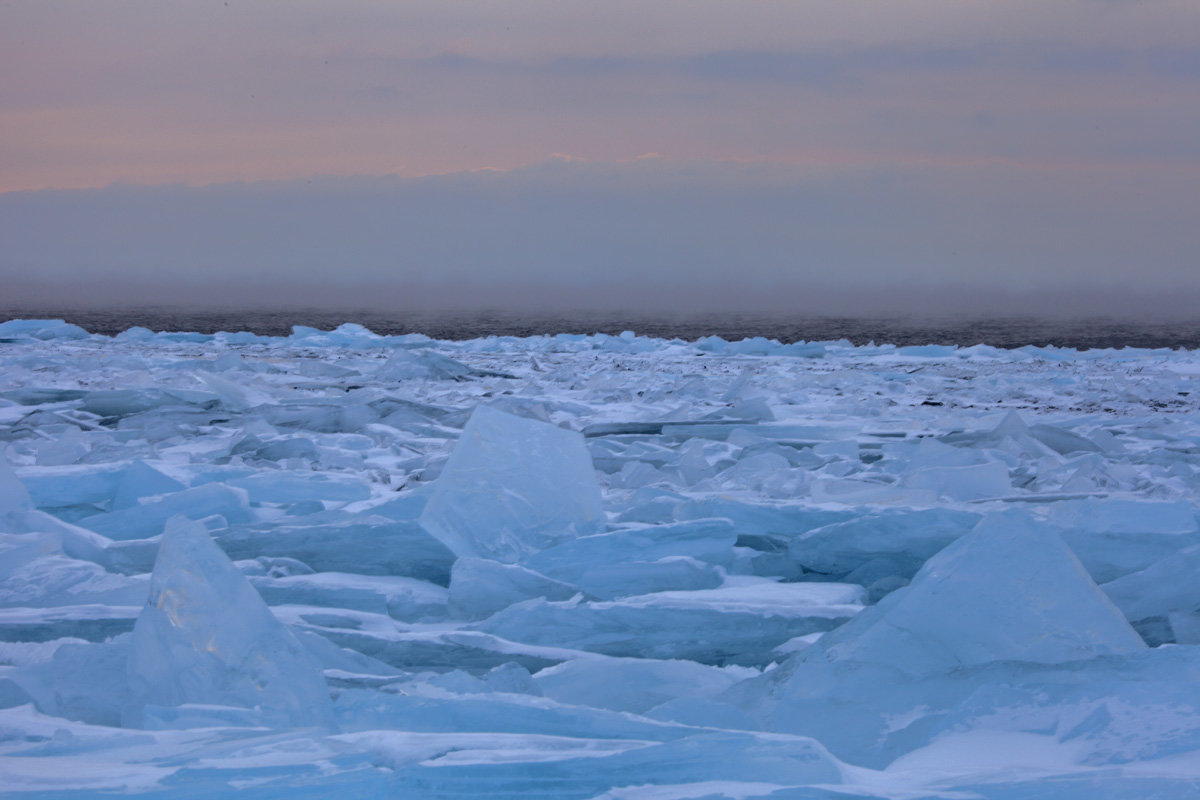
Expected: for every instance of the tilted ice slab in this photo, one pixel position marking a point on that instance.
(513, 486)
(337, 544)
(146, 520)
(1114, 537)
(479, 588)
(906, 538)
(737, 624)
(1009, 597)
(1007, 591)
(206, 637)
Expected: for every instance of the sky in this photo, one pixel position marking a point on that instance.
(1008, 156)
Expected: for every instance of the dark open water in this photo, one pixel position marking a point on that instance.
(1000, 332)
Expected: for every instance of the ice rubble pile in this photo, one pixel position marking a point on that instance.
(594, 566)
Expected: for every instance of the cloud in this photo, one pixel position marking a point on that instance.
(651, 232)
(202, 92)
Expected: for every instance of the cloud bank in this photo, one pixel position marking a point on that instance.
(650, 234)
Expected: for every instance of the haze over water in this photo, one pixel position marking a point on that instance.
(1008, 331)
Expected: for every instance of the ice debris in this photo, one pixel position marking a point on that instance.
(438, 588)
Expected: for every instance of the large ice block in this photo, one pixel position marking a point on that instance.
(1002, 605)
(513, 486)
(206, 637)
(1009, 590)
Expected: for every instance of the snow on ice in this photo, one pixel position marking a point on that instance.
(337, 563)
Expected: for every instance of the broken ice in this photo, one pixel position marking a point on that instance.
(594, 567)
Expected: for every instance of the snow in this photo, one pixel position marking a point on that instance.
(337, 563)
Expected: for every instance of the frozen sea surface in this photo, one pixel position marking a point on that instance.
(336, 563)
(1002, 331)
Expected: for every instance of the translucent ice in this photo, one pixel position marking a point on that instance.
(207, 637)
(1005, 604)
(597, 556)
(907, 538)
(404, 365)
(1009, 590)
(513, 486)
(57, 580)
(14, 498)
(85, 682)
(403, 598)
(147, 519)
(140, 480)
(479, 588)
(40, 329)
(739, 624)
(1114, 537)
(631, 684)
(1155, 597)
(401, 548)
(974, 482)
(292, 487)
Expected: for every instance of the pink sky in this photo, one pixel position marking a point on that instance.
(948, 152)
(95, 93)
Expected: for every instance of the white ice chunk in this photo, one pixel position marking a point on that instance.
(512, 487)
(207, 637)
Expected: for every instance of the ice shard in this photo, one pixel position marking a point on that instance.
(206, 637)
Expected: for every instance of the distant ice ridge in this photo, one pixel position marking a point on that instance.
(594, 567)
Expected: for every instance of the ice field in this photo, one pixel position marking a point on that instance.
(337, 564)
